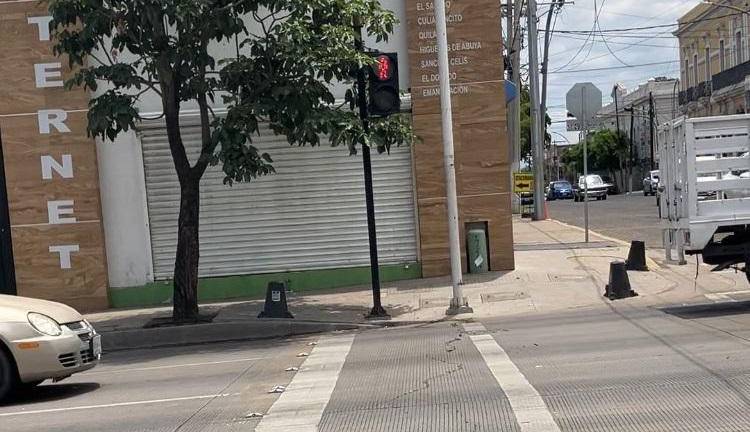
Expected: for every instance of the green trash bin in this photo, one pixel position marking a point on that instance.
(478, 259)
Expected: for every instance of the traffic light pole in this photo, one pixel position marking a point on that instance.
(377, 312)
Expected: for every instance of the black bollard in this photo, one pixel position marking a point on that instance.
(276, 306)
(637, 256)
(619, 283)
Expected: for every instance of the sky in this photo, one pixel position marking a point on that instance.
(572, 52)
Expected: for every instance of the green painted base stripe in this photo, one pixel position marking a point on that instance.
(254, 286)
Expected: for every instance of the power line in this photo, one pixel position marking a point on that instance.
(626, 29)
(615, 43)
(572, 59)
(616, 67)
(605, 40)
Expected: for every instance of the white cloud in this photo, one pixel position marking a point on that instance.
(654, 46)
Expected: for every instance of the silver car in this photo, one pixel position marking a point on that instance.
(651, 183)
(42, 340)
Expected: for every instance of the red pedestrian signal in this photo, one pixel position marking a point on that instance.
(383, 68)
(384, 94)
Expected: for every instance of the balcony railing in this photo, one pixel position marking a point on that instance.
(702, 90)
(731, 76)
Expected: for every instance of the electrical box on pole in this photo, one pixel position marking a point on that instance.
(384, 92)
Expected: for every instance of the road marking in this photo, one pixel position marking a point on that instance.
(301, 406)
(474, 327)
(150, 368)
(725, 296)
(530, 410)
(718, 297)
(115, 405)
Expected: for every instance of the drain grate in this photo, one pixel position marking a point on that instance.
(501, 297)
(563, 246)
(566, 277)
(426, 303)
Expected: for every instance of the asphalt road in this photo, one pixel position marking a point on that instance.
(624, 217)
(198, 388)
(614, 367)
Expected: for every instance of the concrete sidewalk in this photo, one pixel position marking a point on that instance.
(555, 271)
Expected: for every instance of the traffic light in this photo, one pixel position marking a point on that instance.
(385, 98)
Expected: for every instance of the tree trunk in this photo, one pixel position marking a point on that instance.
(188, 254)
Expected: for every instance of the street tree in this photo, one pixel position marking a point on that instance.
(607, 151)
(290, 54)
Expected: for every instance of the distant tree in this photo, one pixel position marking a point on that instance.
(283, 75)
(607, 151)
(527, 152)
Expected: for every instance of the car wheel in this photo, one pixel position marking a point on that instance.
(645, 192)
(8, 375)
(604, 197)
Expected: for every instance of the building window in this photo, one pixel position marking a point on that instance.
(708, 64)
(722, 56)
(738, 57)
(695, 70)
(686, 72)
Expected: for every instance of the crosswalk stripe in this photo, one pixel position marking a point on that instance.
(300, 408)
(528, 406)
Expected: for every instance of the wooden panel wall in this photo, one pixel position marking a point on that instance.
(482, 166)
(56, 226)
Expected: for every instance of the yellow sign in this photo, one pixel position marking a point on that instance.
(523, 182)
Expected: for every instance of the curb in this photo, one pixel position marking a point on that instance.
(122, 340)
(651, 263)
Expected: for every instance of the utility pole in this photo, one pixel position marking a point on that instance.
(377, 309)
(617, 115)
(631, 162)
(458, 303)
(545, 61)
(585, 165)
(537, 141)
(651, 126)
(515, 37)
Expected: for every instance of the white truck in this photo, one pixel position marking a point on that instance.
(705, 189)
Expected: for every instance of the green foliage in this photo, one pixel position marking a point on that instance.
(607, 150)
(526, 150)
(290, 54)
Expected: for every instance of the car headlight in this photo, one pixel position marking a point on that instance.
(44, 324)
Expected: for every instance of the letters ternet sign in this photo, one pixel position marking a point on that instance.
(50, 166)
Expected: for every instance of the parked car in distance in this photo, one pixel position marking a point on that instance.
(612, 189)
(559, 190)
(651, 183)
(597, 188)
(42, 340)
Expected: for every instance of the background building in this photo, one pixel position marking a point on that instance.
(95, 224)
(636, 104)
(714, 53)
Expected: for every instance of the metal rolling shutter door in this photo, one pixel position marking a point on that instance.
(309, 215)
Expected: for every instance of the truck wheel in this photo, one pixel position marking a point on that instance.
(8, 375)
